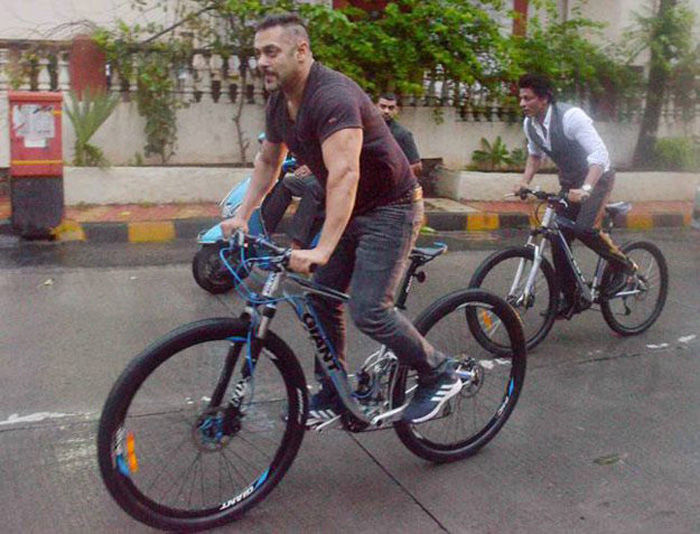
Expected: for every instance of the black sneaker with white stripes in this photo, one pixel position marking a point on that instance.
(432, 394)
(323, 406)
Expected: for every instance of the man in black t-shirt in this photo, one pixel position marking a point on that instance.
(374, 206)
(389, 108)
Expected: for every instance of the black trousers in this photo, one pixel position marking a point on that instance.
(308, 219)
(586, 220)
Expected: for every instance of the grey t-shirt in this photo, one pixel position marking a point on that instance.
(334, 102)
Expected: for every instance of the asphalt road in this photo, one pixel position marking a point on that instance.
(605, 438)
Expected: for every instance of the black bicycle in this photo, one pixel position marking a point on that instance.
(526, 279)
(203, 424)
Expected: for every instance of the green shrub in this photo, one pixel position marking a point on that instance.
(517, 159)
(491, 156)
(496, 157)
(677, 154)
(87, 115)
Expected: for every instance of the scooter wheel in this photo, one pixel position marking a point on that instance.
(209, 271)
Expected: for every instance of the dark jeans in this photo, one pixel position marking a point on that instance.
(308, 219)
(585, 225)
(368, 264)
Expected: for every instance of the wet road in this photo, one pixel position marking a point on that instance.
(605, 438)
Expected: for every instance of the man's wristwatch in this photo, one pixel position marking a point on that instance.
(587, 188)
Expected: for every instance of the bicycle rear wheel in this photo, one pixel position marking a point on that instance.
(639, 305)
(473, 417)
(537, 310)
(189, 439)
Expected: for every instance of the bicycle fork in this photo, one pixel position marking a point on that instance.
(254, 343)
(527, 294)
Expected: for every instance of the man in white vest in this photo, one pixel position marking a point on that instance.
(566, 135)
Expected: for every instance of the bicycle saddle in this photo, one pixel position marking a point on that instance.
(426, 254)
(618, 208)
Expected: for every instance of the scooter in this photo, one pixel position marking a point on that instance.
(208, 270)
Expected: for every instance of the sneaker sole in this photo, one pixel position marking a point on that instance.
(456, 388)
(317, 417)
(322, 415)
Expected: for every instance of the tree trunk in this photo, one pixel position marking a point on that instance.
(658, 76)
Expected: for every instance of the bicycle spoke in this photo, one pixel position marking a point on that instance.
(473, 416)
(637, 307)
(192, 456)
(535, 305)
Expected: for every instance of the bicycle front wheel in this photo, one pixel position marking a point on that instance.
(195, 431)
(492, 383)
(506, 273)
(637, 307)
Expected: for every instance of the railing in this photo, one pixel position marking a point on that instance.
(28, 66)
(207, 77)
(34, 66)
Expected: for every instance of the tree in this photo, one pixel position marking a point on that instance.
(563, 51)
(150, 54)
(136, 57)
(452, 41)
(228, 29)
(667, 34)
(452, 48)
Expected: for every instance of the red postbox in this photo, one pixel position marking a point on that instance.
(36, 163)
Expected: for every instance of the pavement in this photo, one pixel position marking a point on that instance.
(166, 222)
(605, 437)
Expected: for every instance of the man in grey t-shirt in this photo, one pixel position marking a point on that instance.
(374, 207)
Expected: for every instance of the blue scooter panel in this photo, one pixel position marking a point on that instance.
(233, 200)
(230, 203)
(214, 234)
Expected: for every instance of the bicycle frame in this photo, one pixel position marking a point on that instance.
(550, 230)
(261, 309)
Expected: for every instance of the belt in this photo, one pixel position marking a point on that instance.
(409, 197)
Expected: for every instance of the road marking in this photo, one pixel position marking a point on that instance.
(15, 419)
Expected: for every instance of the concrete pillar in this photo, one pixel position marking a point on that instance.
(4, 111)
(87, 66)
(520, 21)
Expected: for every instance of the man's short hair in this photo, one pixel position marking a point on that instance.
(288, 21)
(388, 96)
(540, 85)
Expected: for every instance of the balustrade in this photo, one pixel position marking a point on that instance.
(207, 77)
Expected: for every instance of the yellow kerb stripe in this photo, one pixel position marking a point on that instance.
(483, 221)
(639, 221)
(144, 232)
(24, 162)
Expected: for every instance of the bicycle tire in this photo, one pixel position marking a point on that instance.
(447, 437)
(495, 274)
(652, 274)
(151, 401)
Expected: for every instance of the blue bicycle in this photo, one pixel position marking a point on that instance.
(203, 424)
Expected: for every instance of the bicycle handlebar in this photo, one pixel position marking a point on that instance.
(560, 197)
(281, 256)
